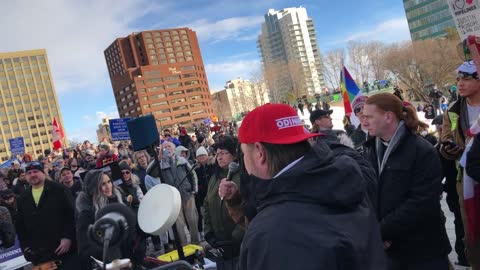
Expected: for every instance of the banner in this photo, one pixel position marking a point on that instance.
(119, 129)
(466, 14)
(12, 258)
(17, 146)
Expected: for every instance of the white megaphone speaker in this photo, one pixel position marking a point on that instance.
(159, 209)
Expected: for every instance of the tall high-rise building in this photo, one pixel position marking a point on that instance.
(290, 54)
(160, 72)
(428, 19)
(28, 101)
(239, 96)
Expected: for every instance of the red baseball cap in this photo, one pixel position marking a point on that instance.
(275, 124)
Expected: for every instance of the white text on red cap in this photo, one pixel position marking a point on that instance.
(287, 122)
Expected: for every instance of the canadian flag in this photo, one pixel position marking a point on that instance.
(57, 135)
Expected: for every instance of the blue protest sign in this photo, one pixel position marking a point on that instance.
(17, 147)
(119, 129)
(12, 258)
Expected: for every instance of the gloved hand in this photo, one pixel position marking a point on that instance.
(211, 239)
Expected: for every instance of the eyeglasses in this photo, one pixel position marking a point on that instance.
(125, 172)
(467, 76)
(221, 154)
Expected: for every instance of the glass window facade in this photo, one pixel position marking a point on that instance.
(428, 18)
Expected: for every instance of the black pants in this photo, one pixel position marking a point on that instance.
(69, 261)
(440, 263)
(454, 206)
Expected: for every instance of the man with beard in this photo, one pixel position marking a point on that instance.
(45, 222)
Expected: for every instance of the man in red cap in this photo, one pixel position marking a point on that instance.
(313, 211)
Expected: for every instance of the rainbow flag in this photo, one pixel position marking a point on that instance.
(350, 90)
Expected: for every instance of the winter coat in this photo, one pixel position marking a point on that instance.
(358, 136)
(473, 160)
(141, 173)
(204, 173)
(20, 187)
(455, 125)
(410, 185)
(41, 227)
(7, 229)
(104, 160)
(219, 226)
(85, 216)
(75, 189)
(177, 172)
(315, 215)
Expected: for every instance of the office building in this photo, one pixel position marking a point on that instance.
(290, 54)
(428, 19)
(28, 102)
(239, 96)
(160, 72)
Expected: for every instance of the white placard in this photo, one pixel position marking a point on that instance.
(466, 14)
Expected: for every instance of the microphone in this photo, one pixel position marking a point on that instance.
(232, 169)
(114, 224)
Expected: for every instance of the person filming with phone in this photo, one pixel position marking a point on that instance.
(456, 121)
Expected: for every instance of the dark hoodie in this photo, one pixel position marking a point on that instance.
(315, 215)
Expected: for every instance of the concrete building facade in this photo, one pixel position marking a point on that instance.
(239, 96)
(28, 102)
(290, 54)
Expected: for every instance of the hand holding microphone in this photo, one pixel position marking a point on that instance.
(225, 189)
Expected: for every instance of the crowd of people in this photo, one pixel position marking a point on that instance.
(364, 197)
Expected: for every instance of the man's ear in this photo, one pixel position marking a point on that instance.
(260, 155)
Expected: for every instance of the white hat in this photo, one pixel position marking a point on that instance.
(15, 162)
(180, 149)
(201, 151)
(467, 67)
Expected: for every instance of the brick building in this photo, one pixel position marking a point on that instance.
(160, 72)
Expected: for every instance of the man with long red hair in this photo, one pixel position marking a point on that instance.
(409, 186)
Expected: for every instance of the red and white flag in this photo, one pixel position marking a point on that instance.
(471, 191)
(57, 135)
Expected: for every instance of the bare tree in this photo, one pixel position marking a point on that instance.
(332, 65)
(423, 63)
(278, 81)
(260, 89)
(221, 105)
(359, 60)
(375, 51)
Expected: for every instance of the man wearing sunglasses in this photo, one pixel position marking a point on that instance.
(456, 121)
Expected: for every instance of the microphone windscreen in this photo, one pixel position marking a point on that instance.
(122, 210)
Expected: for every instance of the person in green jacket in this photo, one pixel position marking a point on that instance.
(220, 229)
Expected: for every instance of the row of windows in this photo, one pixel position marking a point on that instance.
(411, 3)
(425, 9)
(432, 30)
(165, 33)
(172, 60)
(430, 19)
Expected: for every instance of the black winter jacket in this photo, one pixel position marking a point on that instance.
(409, 189)
(41, 227)
(473, 160)
(314, 216)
